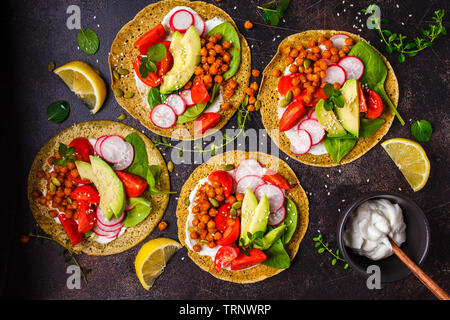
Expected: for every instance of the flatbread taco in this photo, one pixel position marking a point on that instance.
(180, 68)
(98, 187)
(328, 97)
(242, 216)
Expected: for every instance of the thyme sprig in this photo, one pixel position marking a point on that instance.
(320, 242)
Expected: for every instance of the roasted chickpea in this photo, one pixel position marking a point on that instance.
(254, 85)
(252, 100)
(212, 39)
(276, 73)
(209, 45)
(195, 222)
(207, 78)
(256, 73)
(328, 44)
(53, 213)
(294, 53)
(240, 197)
(196, 248)
(289, 60)
(226, 106)
(286, 50)
(322, 39)
(311, 43)
(232, 83)
(326, 54)
(203, 52)
(162, 225)
(210, 224)
(218, 79)
(194, 235)
(251, 108)
(296, 91)
(226, 45)
(35, 194)
(316, 49)
(335, 58)
(213, 212)
(211, 244)
(295, 81)
(349, 41)
(231, 199)
(336, 86)
(224, 68)
(249, 91)
(217, 236)
(248, 24)
(293, 68)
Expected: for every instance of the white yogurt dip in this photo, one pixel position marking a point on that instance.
(369, 227)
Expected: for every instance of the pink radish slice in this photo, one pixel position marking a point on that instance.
(312, 114)
(199, 24)
(97, 145)
(353, 66)
(113, 149)
(252, 182)
(335, 73)
(181, 20)
(101, 218)
(339, 40)
(177, 103)
(109, 228)
(248, 167)
(106, 234)
(163, 116)
(127, 158)
(273, 193)
(277, 217)
(186, 95)
(315, 130)
(301, 142)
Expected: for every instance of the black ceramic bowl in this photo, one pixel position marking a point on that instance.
(415, 246)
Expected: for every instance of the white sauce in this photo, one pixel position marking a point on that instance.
(369, 227)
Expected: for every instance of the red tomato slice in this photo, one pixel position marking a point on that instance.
(152, 80)
(276, 179)
(224, 257)
(243, 261)
(362, 99)
(225, 179)
(206, 121)
(134, 185)
(83, 148)
(86, 217)
(199, 93)
(374, 104)
(231, 234)
(285, 83)
(71, 228)
(150, 38)
(292, 115)
(86, 193)
(222, 217)
(166, 63)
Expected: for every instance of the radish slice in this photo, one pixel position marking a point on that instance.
(301, 142)
(186, 95)
(277, 217)
(109, 228)
(339, 40)
(199, 24)
(335, 73)
(97, 145)
(353, 66)
(101, 218)
(177, 103)
(252, 182)
(181, 20)
(273, 193)
(312, 114)
(315, 130)
(127, 158)
(106, 234)
(248, 167)
(163, 116)
(113, 148)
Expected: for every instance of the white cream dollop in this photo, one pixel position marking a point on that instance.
(369, 227)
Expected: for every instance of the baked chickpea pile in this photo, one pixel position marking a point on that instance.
(58, 189)
(203, 229)
(311, 63)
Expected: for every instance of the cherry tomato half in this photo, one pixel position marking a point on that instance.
(206, 121)
(71, 228)
(134, 185)
(243, 261)
(225, 180)
(150, 38)
(86, 193)
(166, 63)
(285, 83)
(86, 217)
(276, 179)
(224, 257)
(83, 148)
(199, 93)
(362, 99)
(231, 234)
(222, 217)
(374, 104)
(292, 115)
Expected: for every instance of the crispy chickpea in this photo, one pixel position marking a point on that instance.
(53, 213)
(35, 194)
(311, 43)
(224, 68)
(211, 244)
(205, 218)
(293, 68)
(226, 106)
(67, 191)
(256, 73)
(203, 41)
(232, 83)
(218, 36)
(212, 39)
(204, 206)
(209, 237)
(50, 160)
(219, 190)
(195, 222)
(334, 58)
(323, 65)
(249, 91)
(328, 44)
(349, 41)
(213, 212)
(326, 54)
(231, 222)
(276, 73)
(218, 79)
(196, 209)
(209, 45)
(203, 234)
(334, 51)
(248, 24)
(307, 84)
(308, 70)
(196, 248)
(74, 173)
(203, 52)
(316, 49)
(286, 50)
(289, 60)
(40, 174)
(211, 193)
(210, 224)
(346, 49)
(296, 91)
(316, 77)
(194, 235)
(188, 85)
(254, 85)
(68, 214)
(307, 99)
(240, 197)
(226, 45)
(310, 90)
(322, 39)
(49, 196)
(252, 100)
(212, 230)
(201, 226)
(251, 108)
(300, 69)
(316, 69)
(207, 78)
(336, 86)
(231, 199)
(204, 60)
(217, 236)
(71, 165)
(322, 74)
(303, 54)
(162, 225)
(341, 54)
(212, 53)
(294, 53)
(299, 47)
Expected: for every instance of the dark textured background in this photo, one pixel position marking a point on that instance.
(36, 34)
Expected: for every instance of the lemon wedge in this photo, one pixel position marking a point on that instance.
(152, 259)
(85, 82)
(411, 159)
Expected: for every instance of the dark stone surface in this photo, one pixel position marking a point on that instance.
(38, 34)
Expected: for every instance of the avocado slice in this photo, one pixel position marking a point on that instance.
(349, 114)
(85, 170)
(271, 236)
(186, 56)
(110, 188)
(329, 121)
(258, 221)
(248, 207)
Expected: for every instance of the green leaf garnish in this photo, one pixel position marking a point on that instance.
(58, 111)
(422, 130)
(88, 41)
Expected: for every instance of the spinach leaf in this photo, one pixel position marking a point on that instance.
(88, 41)
(192, 113)
(290, 220)
(156, 53)
(229, 34)
(368, 127)
(375, 72)
(422, 130)
(154, 97)
(277, 256)
(142, 208)
(338, 148)
(58, 111)
(140, 162)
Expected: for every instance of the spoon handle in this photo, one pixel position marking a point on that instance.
(418, 272)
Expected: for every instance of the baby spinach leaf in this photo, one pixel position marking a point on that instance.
(277, 256)
(156, 53)
(338, 148)
(290, 220)
(88, 41)
(422, 130)
(192, 113)
(58, 111)
(368, 127)
(140, 162)
(154, 97)
(141, 210)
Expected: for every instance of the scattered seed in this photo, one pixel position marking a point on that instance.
(118, 92)
(257, 105)
(170, 166)
(187, 202)
(51, 66)
(128, 95)
(116, 75)
(214, 202)
(237, 205)
(56, 182)
(123, 72)
(122, 117)
(228, 167)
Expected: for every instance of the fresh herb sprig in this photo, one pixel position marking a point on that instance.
(88, 41)
(397, 42)
(323, 246)
(67, 155)
(154, 55)
(334, 97)
(272, 13)
(422, 130)
(66, 253)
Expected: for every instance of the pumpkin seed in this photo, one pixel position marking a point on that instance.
(228, 167)
(123, 72)
(170, 166)
(55, 182)
(237, 205)
(286, 100)
(118, 92)
(69, 201)
(51, 66)
(187, 202)
(214, 202)
(52, 188)
(128, 95)
(233, 212)
(306, 63)
(116, 75)
(122, 117)
(257, 105)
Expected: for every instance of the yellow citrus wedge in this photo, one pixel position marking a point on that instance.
(152, 258)
(85, 82)
(411, 159)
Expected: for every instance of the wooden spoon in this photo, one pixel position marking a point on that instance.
(422, 276)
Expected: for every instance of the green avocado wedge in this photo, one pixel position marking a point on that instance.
(349, 114)
(229, 34)
(329, 121)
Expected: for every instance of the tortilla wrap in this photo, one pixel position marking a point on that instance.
(296, 194)
(268, 95)
(123, 53)
(133, 235)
